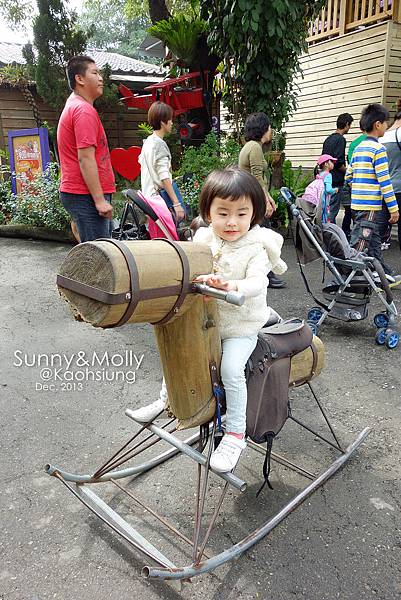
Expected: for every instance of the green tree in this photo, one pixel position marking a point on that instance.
(112, 29)
(56, 38)
(260, 43)
(158, 10)
(16, 13)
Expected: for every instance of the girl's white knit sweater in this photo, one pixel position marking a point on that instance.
(247, 262)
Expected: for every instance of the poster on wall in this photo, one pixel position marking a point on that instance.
(29, 155)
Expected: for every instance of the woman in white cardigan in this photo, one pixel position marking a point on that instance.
(155, 158)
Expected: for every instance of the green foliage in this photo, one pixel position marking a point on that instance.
(202, 160)
(7, 198)
(279, 218)
(13, 75)
(260, 42)
(56, 38)
(279, 140)
(112, 30)
(145, 129)
(110, 96)
(139, 8)
(38, 204)
(16, 13)
(180, 34)
(295, 179)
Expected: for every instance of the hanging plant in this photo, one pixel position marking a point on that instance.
(180, 35)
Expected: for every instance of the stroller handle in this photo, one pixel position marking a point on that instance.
(230, 297)
(289, 197)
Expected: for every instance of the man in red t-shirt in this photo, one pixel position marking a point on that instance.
(87, 179)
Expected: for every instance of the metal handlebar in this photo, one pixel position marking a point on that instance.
(289, 197)
(231, 297)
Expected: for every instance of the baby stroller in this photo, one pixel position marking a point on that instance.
(153, 211)
(355, 274)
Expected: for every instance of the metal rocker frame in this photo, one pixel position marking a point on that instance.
(202, 560)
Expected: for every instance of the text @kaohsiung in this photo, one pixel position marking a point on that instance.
(69, 372)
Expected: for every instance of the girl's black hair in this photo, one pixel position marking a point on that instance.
(256, 125)
(233, 183)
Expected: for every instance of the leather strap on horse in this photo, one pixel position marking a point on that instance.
(185, 285)
(134, 295)
(134, 279)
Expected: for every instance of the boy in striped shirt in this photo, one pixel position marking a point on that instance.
(372, 194)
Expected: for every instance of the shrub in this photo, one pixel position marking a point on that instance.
(295, 179)
(38, 203)
(7, 198)
(198, 162)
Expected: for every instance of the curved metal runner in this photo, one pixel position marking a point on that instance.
(165, 569)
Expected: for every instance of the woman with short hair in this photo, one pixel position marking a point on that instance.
(258, 131)
(155, 158)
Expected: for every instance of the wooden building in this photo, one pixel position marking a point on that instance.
(354, 52)
(121, 125)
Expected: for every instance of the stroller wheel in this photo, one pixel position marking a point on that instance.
(392, 339)
(314, 327)
(380, 337)
(380, 320)
(314, 314)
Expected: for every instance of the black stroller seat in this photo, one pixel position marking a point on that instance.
(354, 273)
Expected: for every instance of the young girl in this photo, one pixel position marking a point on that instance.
(324, 166)
(234, 204)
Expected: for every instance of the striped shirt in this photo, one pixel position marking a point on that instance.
(369, 177)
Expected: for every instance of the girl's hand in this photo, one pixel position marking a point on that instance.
(217, 282)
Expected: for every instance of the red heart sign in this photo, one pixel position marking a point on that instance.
(125, 162)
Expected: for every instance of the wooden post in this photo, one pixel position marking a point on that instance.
(2, 138)
(397, 11)
(343, 13)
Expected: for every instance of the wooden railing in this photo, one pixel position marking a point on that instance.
(341, 16)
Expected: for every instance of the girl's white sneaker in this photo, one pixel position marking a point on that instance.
(226, 455)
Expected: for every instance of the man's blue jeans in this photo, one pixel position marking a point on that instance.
(82, 209)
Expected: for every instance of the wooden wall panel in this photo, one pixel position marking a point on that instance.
(343, 74)
(392, 83)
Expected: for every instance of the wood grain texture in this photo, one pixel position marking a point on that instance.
(102, 265)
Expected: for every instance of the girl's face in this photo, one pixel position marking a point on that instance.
(231, 219)
(328, 165)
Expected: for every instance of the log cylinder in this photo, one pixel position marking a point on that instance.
(153, 279)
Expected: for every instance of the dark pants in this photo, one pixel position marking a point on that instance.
(374, 245)
(398, 196)
(82, 209)
(346, 224)
(334, 207)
